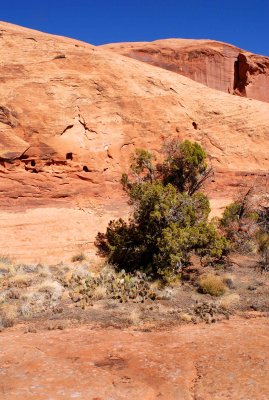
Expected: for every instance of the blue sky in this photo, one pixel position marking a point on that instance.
(243, 23)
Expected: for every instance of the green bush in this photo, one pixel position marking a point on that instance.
(185, 166)
(231, 214)
(262, 241)
(238, 214)
(170, 218)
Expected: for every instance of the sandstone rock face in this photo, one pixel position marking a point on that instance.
(190, 362)
(71, 114)
(215, 64)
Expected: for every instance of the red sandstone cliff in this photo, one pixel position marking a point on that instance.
(71, 115)
(215, 64)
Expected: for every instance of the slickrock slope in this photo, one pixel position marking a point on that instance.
(70, 116)
(214, 64)
(211, 362)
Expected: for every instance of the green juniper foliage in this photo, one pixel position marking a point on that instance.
(185, 166)
(231, 214)
(170, 217)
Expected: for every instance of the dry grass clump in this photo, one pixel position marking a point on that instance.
(99, 292)
(230, 301)
(3, 296)
(7, 267)
(185, 317)
(32, 303)
(229, 281)
(79, 257)
(8, 315)
(27, 290)
(211, 284)
(40, 298)
(66, 278)
(20, 280)
(6, 259)
(52, 289)
(134, 317)
(53, 325)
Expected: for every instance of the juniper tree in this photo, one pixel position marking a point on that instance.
(170, 217)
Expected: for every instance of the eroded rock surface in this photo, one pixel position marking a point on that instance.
(208, 362)
(215, 64)
(71, 114)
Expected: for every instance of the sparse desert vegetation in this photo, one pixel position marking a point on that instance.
(79, 257)
(176, 306)
(170, 219)
(56, 297)
(212, 284)
(27, 291)
(168, 264)
(148, 319)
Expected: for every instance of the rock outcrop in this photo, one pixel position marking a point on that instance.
(215, 64)
(71, 114)
(206, 362)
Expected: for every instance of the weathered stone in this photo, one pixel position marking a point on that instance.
(74, 123)
(215, 64)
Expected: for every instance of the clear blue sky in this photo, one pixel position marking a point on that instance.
(243, 23)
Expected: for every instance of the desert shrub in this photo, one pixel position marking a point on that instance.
(8, 315)
(170, 218)
(99, 292)
(240, 223)
(229, 281)
(263, 241)
(20, 280)
(211, 284)
(109, 284)
(262, 238)
(7, 266)
(142, 163)
(28, 290)
(79, 257)
(231, 214)
(263, 218)
(32, 303)
(246, 224)
(185, 166)
(230, 301)
(5, 259)
(134, 317)
(209, 312)
(52, 289)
